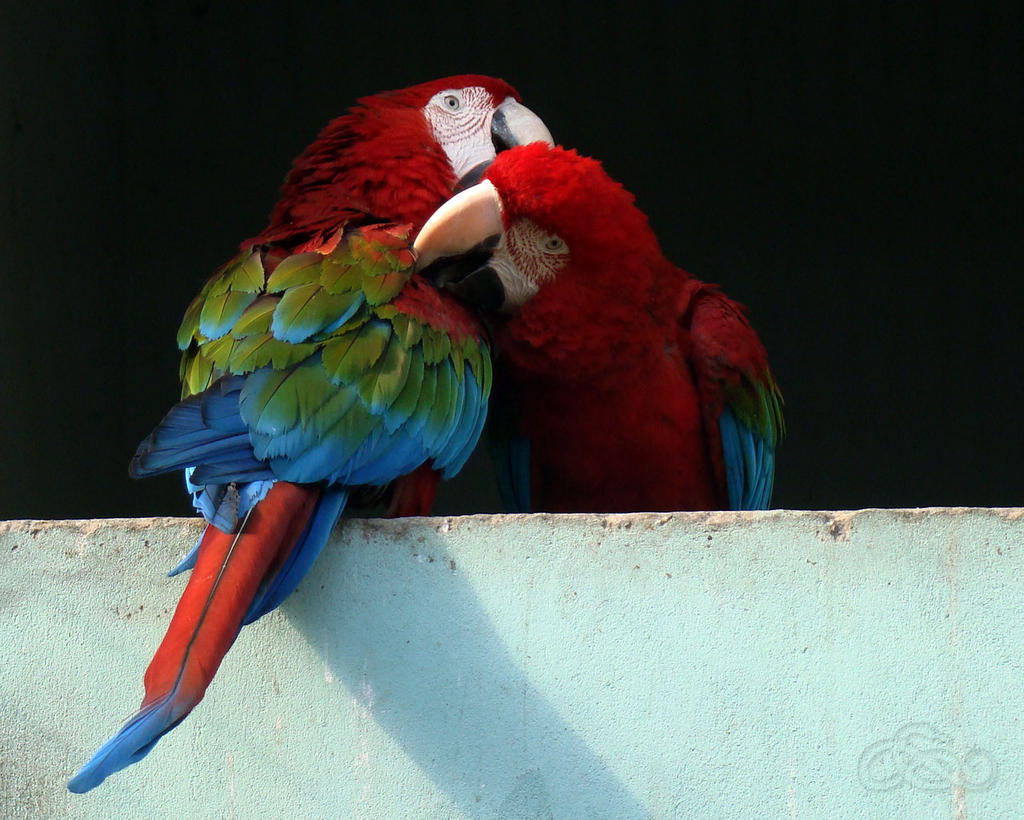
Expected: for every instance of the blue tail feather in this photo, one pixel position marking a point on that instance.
(189, 561)
(303, 555)
(132, 743)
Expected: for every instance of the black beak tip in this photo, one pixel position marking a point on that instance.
(501, 135)
(481, 289)
(469, 277)
(472, 176)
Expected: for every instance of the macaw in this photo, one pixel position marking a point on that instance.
(315, 363)
(626, 383)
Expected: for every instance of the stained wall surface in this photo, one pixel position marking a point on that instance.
(780, 664)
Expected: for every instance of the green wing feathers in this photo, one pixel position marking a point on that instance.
(332, 354)
(248, 316)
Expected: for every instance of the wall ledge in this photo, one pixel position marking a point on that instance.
(756, 664)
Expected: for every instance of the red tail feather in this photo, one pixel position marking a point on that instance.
(414, 493)
(223, 583)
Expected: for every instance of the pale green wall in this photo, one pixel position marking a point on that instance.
(689, 665)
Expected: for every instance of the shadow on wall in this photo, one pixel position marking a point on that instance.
(424, 657)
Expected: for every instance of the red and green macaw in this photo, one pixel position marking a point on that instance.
(315, 363)
(624, 383)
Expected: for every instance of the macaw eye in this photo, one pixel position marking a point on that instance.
(451, 102)
(554, 244)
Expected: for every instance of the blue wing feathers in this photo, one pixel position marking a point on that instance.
(733, 458)
(186, 451)
(297, 425)
(468, 429)
(203, 428)
(389, 457)
(240, 470)
(749, 464)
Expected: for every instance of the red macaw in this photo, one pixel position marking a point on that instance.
(627, 384)
(316, 363)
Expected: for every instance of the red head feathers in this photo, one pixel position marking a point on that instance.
(570, 195)
(390, 158)
(577, 265)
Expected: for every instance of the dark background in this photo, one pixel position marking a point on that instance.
(853, 175)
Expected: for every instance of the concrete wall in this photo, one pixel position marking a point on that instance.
(780, 664)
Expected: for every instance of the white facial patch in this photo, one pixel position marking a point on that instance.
(526, 258)
(538, 253)
(460, 121)
(518, 288)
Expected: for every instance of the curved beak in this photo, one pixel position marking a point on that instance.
(456, 249)
(512, 124)
(466, 221)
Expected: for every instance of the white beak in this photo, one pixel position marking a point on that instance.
(468, 219)
(515, 124)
